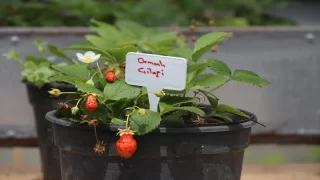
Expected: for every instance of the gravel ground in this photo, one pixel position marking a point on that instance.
(250, 172)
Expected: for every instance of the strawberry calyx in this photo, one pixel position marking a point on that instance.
(127, 131)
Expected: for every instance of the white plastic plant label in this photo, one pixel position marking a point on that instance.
(156, 73)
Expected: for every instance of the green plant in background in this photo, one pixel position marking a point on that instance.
(37, 69)
(112, 41)
(129, 36)
(103, 97)
(54, 12)
(147, 12)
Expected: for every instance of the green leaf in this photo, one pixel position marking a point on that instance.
(67, 79)
(202, 81)
(195, 69)
(99, 42)
(229, 109)
(119, 90)
(56, 51)
(163, 49)
(173, 118)
(108, 32)
(88, 88)
(174, 92)
(131, 27)
(78, 71)
(164, 38)
(212, 100)
(177, 100)
(119, 122)
(181, 52)
(166, 108)
(12, 55)
(239, 72)
(223, 116)
(206, 42)
(198, 68)
(218, 67)
(120, 53)
(35, 60)
(248, 77)
(39, 44)
(142, 124)
(119, 106)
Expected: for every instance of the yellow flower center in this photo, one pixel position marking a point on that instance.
(88, 59)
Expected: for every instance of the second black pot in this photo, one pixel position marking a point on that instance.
(185, 153)
(41, 102)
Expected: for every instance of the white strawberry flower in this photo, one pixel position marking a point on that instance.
(88, 57)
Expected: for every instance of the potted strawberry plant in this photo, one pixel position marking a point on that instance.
(107, 130)
(39, 76)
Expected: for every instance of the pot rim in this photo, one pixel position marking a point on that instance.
(192, 128)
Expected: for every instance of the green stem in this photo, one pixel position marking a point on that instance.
(127, 121)
(70, 100)
(99, 69)
(93, 75)
(135, 101)
(219, 86)
(70, 92)
(206, 92)
(20, 63)
(78, 102)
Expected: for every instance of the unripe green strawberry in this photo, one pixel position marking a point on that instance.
(91, 103)
(126, 144)
(110, 76)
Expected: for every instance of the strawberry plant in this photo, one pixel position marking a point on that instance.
(103, 99)
(37, 69)
(112, 42)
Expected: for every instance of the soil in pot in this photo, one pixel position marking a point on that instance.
(192, 152)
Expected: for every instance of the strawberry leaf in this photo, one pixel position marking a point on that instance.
(229, 109)
(143, 124)
(206, 42)
(119, 90)
(218, 67)
(83, 87)
(248, 77)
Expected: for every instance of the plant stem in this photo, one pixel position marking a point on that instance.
(99, 69)
(78, 102)
(219, 86)
(127, 121)
(71, 100)
(70, 92)
(20, 63)
(135, 101)
(95, 133)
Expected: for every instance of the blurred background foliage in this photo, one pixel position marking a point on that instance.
(147, 12)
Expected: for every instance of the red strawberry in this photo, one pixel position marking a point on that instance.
(91, 103)
(126, 144)
(110, 76)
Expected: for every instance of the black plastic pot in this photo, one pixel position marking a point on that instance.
(205, 152)
(42, 103)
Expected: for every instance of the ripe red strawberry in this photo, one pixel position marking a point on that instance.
(126, 144)
(110, 76)
(91, 103)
